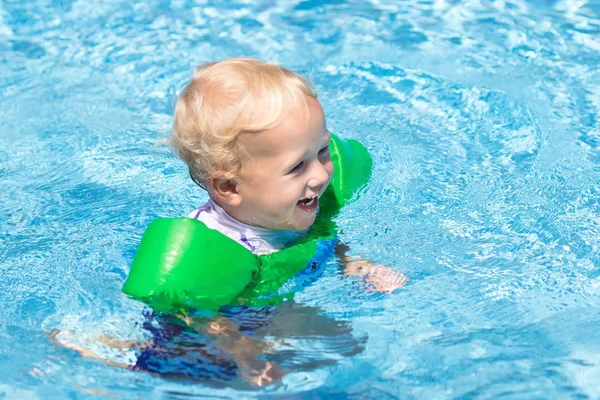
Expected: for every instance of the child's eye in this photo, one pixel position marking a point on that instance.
(297, 168)
(324, 151)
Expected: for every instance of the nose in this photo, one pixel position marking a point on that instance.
(319, 177)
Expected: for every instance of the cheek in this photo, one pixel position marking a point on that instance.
(277, 195)
(290, 193)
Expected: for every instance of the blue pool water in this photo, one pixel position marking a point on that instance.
(483, 120)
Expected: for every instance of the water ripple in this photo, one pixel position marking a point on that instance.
(482, 118)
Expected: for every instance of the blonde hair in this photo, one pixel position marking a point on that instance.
(226, 99)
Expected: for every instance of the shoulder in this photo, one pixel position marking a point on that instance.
(205, 208)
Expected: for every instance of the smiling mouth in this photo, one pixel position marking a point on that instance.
(309, 200)
(309, 203)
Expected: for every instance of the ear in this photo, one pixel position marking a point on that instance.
(224, 186)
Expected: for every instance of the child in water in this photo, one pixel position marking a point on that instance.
(254, 136)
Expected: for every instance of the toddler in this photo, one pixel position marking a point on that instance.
(254, 136)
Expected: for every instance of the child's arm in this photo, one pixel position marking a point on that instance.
(226, 337)
(382, 278)
(242, 348)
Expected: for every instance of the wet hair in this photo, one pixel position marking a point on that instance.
(228, 99)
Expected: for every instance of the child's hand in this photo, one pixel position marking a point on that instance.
(245, 350)
(382, 278)
(259, 373)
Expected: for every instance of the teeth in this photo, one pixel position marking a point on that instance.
(308, 201)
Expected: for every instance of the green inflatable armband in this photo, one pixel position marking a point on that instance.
(183, 264)
(352, 169)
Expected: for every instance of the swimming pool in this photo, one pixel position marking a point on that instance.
(482, 117)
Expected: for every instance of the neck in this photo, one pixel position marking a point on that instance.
(232, 212)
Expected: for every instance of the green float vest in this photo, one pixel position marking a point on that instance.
(182, 264)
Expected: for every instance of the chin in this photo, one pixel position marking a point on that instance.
(300, 223)
(304, 225)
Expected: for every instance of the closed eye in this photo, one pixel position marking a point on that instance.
(297, 168)
(324, 151)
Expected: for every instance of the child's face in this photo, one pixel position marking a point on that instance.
(289, 170)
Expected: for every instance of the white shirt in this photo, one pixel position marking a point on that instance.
(258, 240)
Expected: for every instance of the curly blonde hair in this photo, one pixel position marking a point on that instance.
(226, 99)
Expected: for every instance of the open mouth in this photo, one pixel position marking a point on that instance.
(309, 203)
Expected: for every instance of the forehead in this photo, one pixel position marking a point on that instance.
(299, 129)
